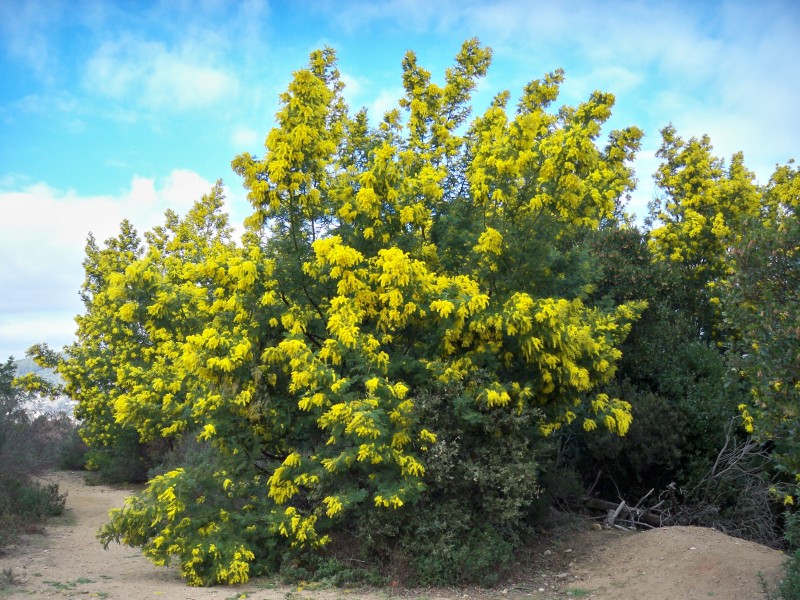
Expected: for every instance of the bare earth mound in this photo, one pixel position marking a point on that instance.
(675, 563)
(672, 563)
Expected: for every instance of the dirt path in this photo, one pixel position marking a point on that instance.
(674, 563)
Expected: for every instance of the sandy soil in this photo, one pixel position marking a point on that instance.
(671, 564)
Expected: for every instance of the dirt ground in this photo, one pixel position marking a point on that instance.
(673, 563)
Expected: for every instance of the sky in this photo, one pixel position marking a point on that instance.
(123, 109)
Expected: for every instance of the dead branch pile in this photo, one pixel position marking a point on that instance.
(733, 496)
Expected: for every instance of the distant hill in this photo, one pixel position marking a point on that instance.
(62, 404)
(27, 365)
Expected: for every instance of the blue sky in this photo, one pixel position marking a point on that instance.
(122, 109)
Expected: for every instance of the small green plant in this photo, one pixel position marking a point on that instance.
(789, 587)
(578, 592)
(61, 586)
(70, 585)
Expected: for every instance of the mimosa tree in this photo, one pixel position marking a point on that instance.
(400, 328)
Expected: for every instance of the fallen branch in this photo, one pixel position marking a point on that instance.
(612, 515)
(636, 515)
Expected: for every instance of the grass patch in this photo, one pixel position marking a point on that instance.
(65, 519)
(8, 579)
(69, 585)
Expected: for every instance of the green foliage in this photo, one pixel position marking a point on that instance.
(28, 445)
(717, 341)
(705, 208)
(481, 485)
(33, 501)
(761, 303)
(479, 555)
(126, 460)
(789, 586)
(674, 378)
(332, 570)
(187, 515)
(7, 577)
(72, 455)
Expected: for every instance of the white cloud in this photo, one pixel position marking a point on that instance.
(151, 75)
(246, 139)
(181, 189)
(728, 69)
(613, 78)
(411, 15)
(361, 91)
(385, 100)
(42, 240)
(353, 87)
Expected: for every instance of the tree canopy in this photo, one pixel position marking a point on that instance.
(414, 313)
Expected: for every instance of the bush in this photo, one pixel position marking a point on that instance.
(477, 556)
(24, 504)
(28, 445)
(482, 492)
(127, 460)
(32, 500)
(789, 587)
(672, 372)
(72, 455)
(332, 570)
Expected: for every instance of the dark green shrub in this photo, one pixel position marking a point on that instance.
(36, 500)
(10, 528)
(126, 461)
(649, 456)
(481, 499)
(72, 455)
(672, 371)
(478, 557)
(186, 453)
(28, 446)
(332, 570)
(789, 587)
(31, 500)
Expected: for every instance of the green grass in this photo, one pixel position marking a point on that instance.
(69, 585)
